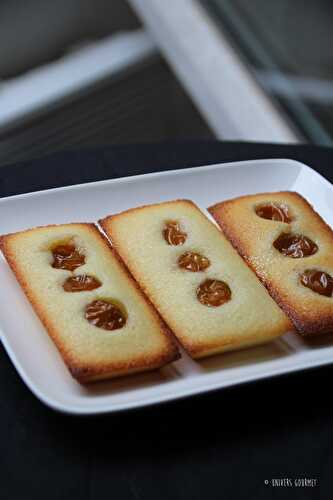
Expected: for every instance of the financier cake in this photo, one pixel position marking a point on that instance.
(91, 307)
(204, 291)
(290, 248)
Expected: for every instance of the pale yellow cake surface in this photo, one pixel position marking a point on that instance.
(90, 352)
(250, 317)
(253, 237)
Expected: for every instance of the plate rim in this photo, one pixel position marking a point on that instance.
(163, 173)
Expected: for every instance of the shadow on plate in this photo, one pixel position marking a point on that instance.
(187, 367)
(249, 356)
(317, 342)
(132, 382)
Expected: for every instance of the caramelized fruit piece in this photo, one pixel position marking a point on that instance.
(81, 283)
(318, 281)
(295, 245)
(105, 314)
(67, 257)
(274, 211)
(194, 262)
(213, 293)
(173, 235)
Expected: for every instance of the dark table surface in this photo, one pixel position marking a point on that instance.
(217, 446)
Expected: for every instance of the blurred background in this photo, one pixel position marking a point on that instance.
(83, 73)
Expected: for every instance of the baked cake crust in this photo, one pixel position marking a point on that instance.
(94, 358)
(253, 238)
(137, 235)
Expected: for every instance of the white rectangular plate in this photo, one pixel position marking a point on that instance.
(34, 354)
